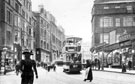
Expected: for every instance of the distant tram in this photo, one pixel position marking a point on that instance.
(72, 55)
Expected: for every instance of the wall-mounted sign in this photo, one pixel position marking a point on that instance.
(124, 37)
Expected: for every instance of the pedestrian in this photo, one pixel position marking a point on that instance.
(129, 65)
(123, 67)
(27, 66)
(17, 68)
(54, 67)
(88, 72)
(98, 64)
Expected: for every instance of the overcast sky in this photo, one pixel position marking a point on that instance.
(73, 15)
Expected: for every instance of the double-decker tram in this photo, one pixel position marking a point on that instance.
(72, 55)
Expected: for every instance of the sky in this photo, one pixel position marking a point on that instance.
(73, 15)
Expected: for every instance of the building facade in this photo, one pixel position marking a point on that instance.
(16, 29)
(110, 20)
(49, 37)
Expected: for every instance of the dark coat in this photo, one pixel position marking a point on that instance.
(90, 75)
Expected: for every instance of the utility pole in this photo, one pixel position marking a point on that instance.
(103, 49)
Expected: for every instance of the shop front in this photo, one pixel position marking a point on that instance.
(6, 59)
(113, 57)
(133, 51)
(126, 46)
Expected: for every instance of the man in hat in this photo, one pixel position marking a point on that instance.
(27, 66)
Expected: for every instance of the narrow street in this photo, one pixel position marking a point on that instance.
(59, 77)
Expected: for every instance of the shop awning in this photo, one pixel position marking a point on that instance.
(111, 47)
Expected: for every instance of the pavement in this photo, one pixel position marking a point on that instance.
(116, 70)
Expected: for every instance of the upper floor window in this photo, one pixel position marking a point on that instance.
(129, 9)
(23, 13)
(106, 7)
(128, 21)
(8, 36)
(117, 6)
(117, 20)
(41, 21)
(16, 20)
(117, 37)
(9, 17)
(17, 7)
(106, 22)
(9, 1)
(104, 38)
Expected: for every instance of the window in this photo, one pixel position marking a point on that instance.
(23, 25)
(8, 16)
(128, 21)
(9, 1)
(41, 31)
(41, 21)
(41, 44)
(117, 20)
(47, 46)
(117, 6)
(29, 31)
(104, 38)
(8, 35)
(106, 7)
(19, 21)
(106, 22)
(26, 16)
(17, 7)
(23, 41)
(44, 45)
(24, 2)
(16, 36)
(29, 20)
(16, 20)
(23, 13)
(129, 8)
(117, 37)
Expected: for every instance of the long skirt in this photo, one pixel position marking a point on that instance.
(88, 74)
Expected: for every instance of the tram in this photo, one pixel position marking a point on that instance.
(72, 55)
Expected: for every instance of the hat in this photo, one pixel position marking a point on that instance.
(27, 51)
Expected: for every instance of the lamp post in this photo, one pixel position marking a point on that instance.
(103, 49)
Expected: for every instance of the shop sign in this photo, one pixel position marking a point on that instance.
(124, 37)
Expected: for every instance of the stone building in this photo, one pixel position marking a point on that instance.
(49, 37)
(110, 20)
(16, 29)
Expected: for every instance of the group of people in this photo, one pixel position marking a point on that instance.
(27, 67)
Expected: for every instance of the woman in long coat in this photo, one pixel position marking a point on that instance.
(88, 74)
(27, 66)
